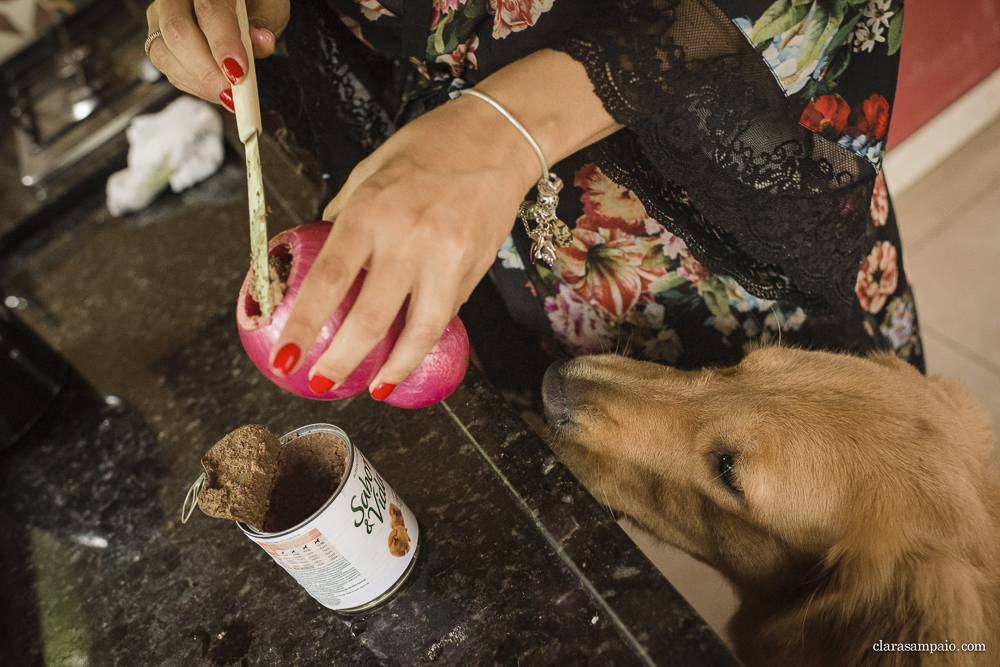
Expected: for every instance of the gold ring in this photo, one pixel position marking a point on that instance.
(149, 41)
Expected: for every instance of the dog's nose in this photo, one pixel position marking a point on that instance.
(554, 393)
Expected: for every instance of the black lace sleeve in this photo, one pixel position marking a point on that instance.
(778, 207)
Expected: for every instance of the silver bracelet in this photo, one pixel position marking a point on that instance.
(549, 231)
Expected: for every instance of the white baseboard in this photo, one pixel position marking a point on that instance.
(923, 150)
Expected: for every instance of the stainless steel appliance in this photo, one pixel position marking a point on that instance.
(72, 93)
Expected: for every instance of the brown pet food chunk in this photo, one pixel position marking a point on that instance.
(240, 470)
(279, 267)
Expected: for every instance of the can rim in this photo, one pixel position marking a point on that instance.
(309, 429)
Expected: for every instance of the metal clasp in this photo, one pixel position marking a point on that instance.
(191, 499)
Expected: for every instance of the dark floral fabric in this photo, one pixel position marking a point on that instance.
(810, 46)
(742, 204)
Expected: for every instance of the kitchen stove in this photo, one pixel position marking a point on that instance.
(72, 93)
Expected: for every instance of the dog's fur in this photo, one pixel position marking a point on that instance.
(864, 503)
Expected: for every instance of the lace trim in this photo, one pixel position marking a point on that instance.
(781, 209)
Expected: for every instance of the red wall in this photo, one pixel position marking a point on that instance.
(948, 47)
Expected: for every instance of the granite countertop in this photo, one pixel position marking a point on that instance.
(518, 564)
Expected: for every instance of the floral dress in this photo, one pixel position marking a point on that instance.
(743, 203)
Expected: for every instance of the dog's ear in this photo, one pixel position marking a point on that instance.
(973, 417)
(933, 598)
(970, 415)
(899, 580)
(908, 589)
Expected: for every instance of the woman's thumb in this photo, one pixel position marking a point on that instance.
(268, 19)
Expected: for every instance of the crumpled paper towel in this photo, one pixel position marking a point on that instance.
(179, 146)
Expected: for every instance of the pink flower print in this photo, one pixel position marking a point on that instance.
(605, 268)
(878, 278)
(880, 202)
(608, 205)
(691, 269)
(516, 15)
(372, 9)
(673, 245)
(442, 7)
(462, 58)
(576, 324)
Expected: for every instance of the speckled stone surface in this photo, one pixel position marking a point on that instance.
(518, 565)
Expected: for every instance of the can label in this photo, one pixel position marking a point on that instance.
(357, 548)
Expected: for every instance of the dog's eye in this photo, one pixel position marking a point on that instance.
(725, 468)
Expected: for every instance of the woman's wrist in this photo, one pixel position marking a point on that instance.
(551, 95)
(505, 147)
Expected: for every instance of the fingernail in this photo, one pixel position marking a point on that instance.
(232, 69)
(227, 99)
(320, 384)
(382, 390)
(286, 358)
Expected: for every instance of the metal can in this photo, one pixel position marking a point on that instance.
(357, 550)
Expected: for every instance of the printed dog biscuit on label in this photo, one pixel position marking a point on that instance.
(399, 542)
(399, 539)
(395, 515)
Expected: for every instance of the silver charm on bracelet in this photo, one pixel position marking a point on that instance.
(548, 230)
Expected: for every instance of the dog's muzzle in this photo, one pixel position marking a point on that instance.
(554, 393)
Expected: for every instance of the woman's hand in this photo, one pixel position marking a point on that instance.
(200, 50)
(424, 215)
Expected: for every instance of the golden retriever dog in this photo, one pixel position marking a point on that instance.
(852, 502)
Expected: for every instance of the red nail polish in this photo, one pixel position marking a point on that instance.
(382, 390)
(227, 99)
(286, 358)
(320, 384)
(232, 69)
